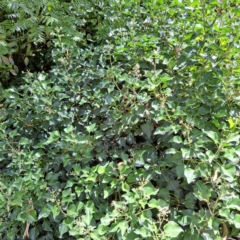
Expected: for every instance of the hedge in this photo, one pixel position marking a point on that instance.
(132, 133)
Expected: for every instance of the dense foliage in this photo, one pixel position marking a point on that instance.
(125, 124)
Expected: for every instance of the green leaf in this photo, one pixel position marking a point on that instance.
(54, 136)
(176, 139)
(234, 203)
(173, 185)
(62, 229)
(114, 227)
(236, 220)
(101, 169)
(212, 135)
(80, 206)
(101, 230)
(125, 187)
(225, 212)
(109, 191)
(91, 128)
(153, 203)
(69, 129)
(46, 226)
(190, 200)
(72, 211)
(149, 190)
(123, 226)
(143, 232)
(31, 216)
(172, 229)
(16, 202)
(55, 211)
(228, 172)
(2, 199)
(67, 195)
(44, 213)
(147, 128)
(69, 221)
(24, 141)
(231, 155)
(165, 77)
(88, 213)
(233, 138)
(203, 111)
(88, 217)
(79, 190)
(33, 233)
(105, 221)
(201, 191)
(189, 174)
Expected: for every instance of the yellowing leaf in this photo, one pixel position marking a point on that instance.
(199, 38)
(26, 61)
(223, 41)
(231, 123)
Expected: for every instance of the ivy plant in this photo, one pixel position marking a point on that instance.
(132, 132)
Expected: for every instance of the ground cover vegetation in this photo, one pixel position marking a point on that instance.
(119, 119)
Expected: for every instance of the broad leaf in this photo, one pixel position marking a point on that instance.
(172, 229)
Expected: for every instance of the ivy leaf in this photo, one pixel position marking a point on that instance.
(108, 191)
(68, 129)
(88, 211)
(33, 233)
(233, 138)
(236, 220)
(44, 213)
(229, 172)
(189, 174)
(105, 221)
(62, 229)
(149, 190)
(172, 229)
(55, 211)
(101, 169)
(91, 128)
(176, 139)
(123, 226)
(72, 211)
(234, 203)
(31, 216)
(201, 191)
(165, 77)
(212, 135)
(88, 217)
(147, 129)
(143, 232)
(153, 203)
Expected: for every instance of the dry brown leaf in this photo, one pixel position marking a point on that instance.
(5, 60)
(224, 231)
(13, 72)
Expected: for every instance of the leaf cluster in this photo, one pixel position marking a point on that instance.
(133, 133)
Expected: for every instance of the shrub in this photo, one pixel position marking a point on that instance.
(133, 136)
